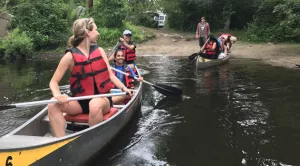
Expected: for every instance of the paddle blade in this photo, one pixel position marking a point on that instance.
(194, 60)
(168, 102)
(193, 56)
(5, 107)
(168, 90)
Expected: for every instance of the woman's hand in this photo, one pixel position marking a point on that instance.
(129, 91)
(121, 39)
(140, 78)
(61, 99)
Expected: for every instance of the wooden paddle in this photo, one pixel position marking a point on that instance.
(163, 89)
(193, 56)
(42, 102)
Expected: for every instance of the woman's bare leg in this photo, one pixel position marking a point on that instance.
(56, 118)
(98, 107)
(119, 99)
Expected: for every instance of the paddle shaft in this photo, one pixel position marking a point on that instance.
(163, 89)
(113, 50)
(42, 102)
(202, 48)
(130, 75)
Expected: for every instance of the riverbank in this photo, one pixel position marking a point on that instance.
(163, 42)
(168, 43)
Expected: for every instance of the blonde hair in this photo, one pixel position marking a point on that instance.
(78, 29)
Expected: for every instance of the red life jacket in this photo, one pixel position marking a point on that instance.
(209, 47)
(128, 81)
(89, 73)
(129, 54)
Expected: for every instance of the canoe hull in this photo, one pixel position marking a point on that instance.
(90, 143)
(75, 149)
(202, 63)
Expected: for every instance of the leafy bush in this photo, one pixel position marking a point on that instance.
(17, 43)
(276, 20)
(109, 13)
(109, 36)
(45, 21)
(148, 21)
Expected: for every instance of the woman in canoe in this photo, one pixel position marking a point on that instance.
(127, 81)
(211, 49)
(90, 75)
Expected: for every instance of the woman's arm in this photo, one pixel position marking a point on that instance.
(61, 69)
(131, 47)
(214, 46)
(140, 78)
(131, 71)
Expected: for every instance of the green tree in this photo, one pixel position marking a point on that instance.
(109, 13)
(276, 20)
(44, 21)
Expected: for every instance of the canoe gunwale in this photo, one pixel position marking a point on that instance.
(212, 62)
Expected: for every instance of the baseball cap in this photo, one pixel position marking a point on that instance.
(127, 32)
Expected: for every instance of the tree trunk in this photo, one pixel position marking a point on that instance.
(5, 5)
(227, 23)
(90, 4)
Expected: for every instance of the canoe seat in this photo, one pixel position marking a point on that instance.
(84, 118)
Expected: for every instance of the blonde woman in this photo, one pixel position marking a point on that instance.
(90, 74)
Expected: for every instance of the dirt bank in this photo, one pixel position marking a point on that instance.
(183, 44)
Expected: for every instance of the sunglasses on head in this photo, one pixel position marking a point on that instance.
(87, 22)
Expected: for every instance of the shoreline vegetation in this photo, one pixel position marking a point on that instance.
(269, 30)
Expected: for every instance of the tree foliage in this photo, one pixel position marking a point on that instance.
(264, 20)
(276, 20)
(44, 21)
(109, 13)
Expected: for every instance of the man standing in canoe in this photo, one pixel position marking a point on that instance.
(90, 75)
(202, 31)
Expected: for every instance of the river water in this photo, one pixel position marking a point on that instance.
(240, 113)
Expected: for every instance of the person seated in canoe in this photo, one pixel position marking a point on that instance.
(90, 75)
(128, 47)
(227, 41)
(127, 81)
(211, 49)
